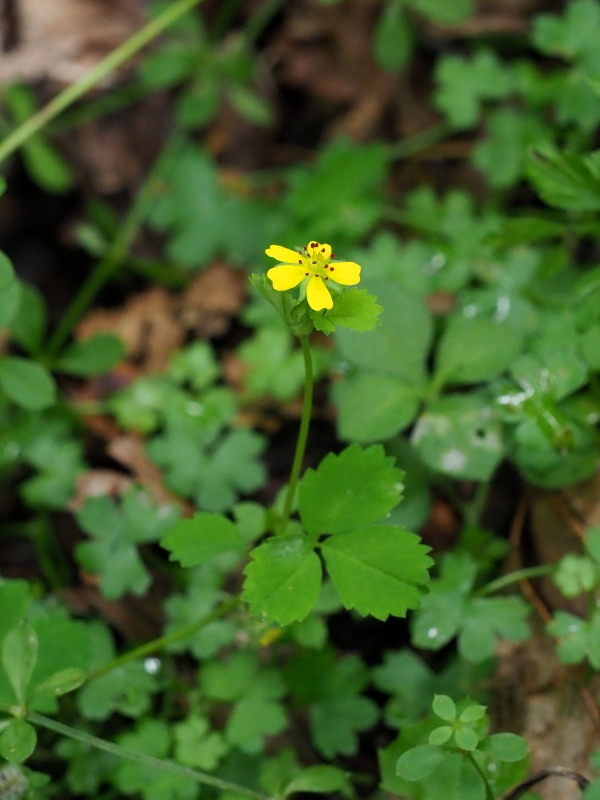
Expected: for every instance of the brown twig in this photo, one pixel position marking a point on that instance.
(552, 772)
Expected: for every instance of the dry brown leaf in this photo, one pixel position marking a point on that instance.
(60, 40)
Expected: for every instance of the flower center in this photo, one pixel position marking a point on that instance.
(315, 262)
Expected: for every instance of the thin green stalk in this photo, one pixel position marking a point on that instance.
(112, 61)
(514, 577)
(162, 642)
(474, 508)
(115, 254)
(420, 141)
(302, 433)
(488, 789)
(141, 758)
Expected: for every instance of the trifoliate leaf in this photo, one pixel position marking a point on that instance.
(357, 487)
(283, 579)
(444, 707)
(377, 570)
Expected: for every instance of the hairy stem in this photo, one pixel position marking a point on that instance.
(302, 433)
(156, 645)
(142, 758)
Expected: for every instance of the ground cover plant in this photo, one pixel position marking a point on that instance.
(286, 515)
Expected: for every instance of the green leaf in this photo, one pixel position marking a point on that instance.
(466, 739)
(571, 633)
(19, 656)
(321, 779)
(565, 180)
(473, 713)
(252, 719)
(377, 570)
(485, 619)
(419, 762)
(27, 383)
(393, 39)
(29, 325)
(197, 540)
(442, 608)
(441, 735)
(374, 407)
(575, 574)
(399, 346)
(10, 292)
(506, 746)
(335, 722)
(444, 707)
(459, 435)
(17, 741)
(196, 745)
(62, 682)
(473, 350)
(47, 166)
(465, 83)
(356, 487)
(571, 36)
(354, 309)
(92, 356)
(283, 579)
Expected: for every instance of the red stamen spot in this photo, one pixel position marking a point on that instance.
(331, 269)
(304, 248)
(326, 278)
(322, 249)
(314, 244)
(299, 260)
(333, 255)
(313, 262)
(307, 274)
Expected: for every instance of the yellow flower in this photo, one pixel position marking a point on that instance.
(314, 263)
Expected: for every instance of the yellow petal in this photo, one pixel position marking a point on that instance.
(346, 272)
(286, 276)
(283, 254)
(317, 294)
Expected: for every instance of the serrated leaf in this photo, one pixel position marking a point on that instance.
(197, 540)
(283, 579)
(355, 309)
(27, 383)
(356, 487)
(377, 570)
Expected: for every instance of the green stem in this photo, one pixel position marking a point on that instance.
(474, 508)
(302, 433)
(488, 789)
(420, 141)
(141, 758)
(515, 577)
(115, 254)
(162, 642)
(112, 61)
